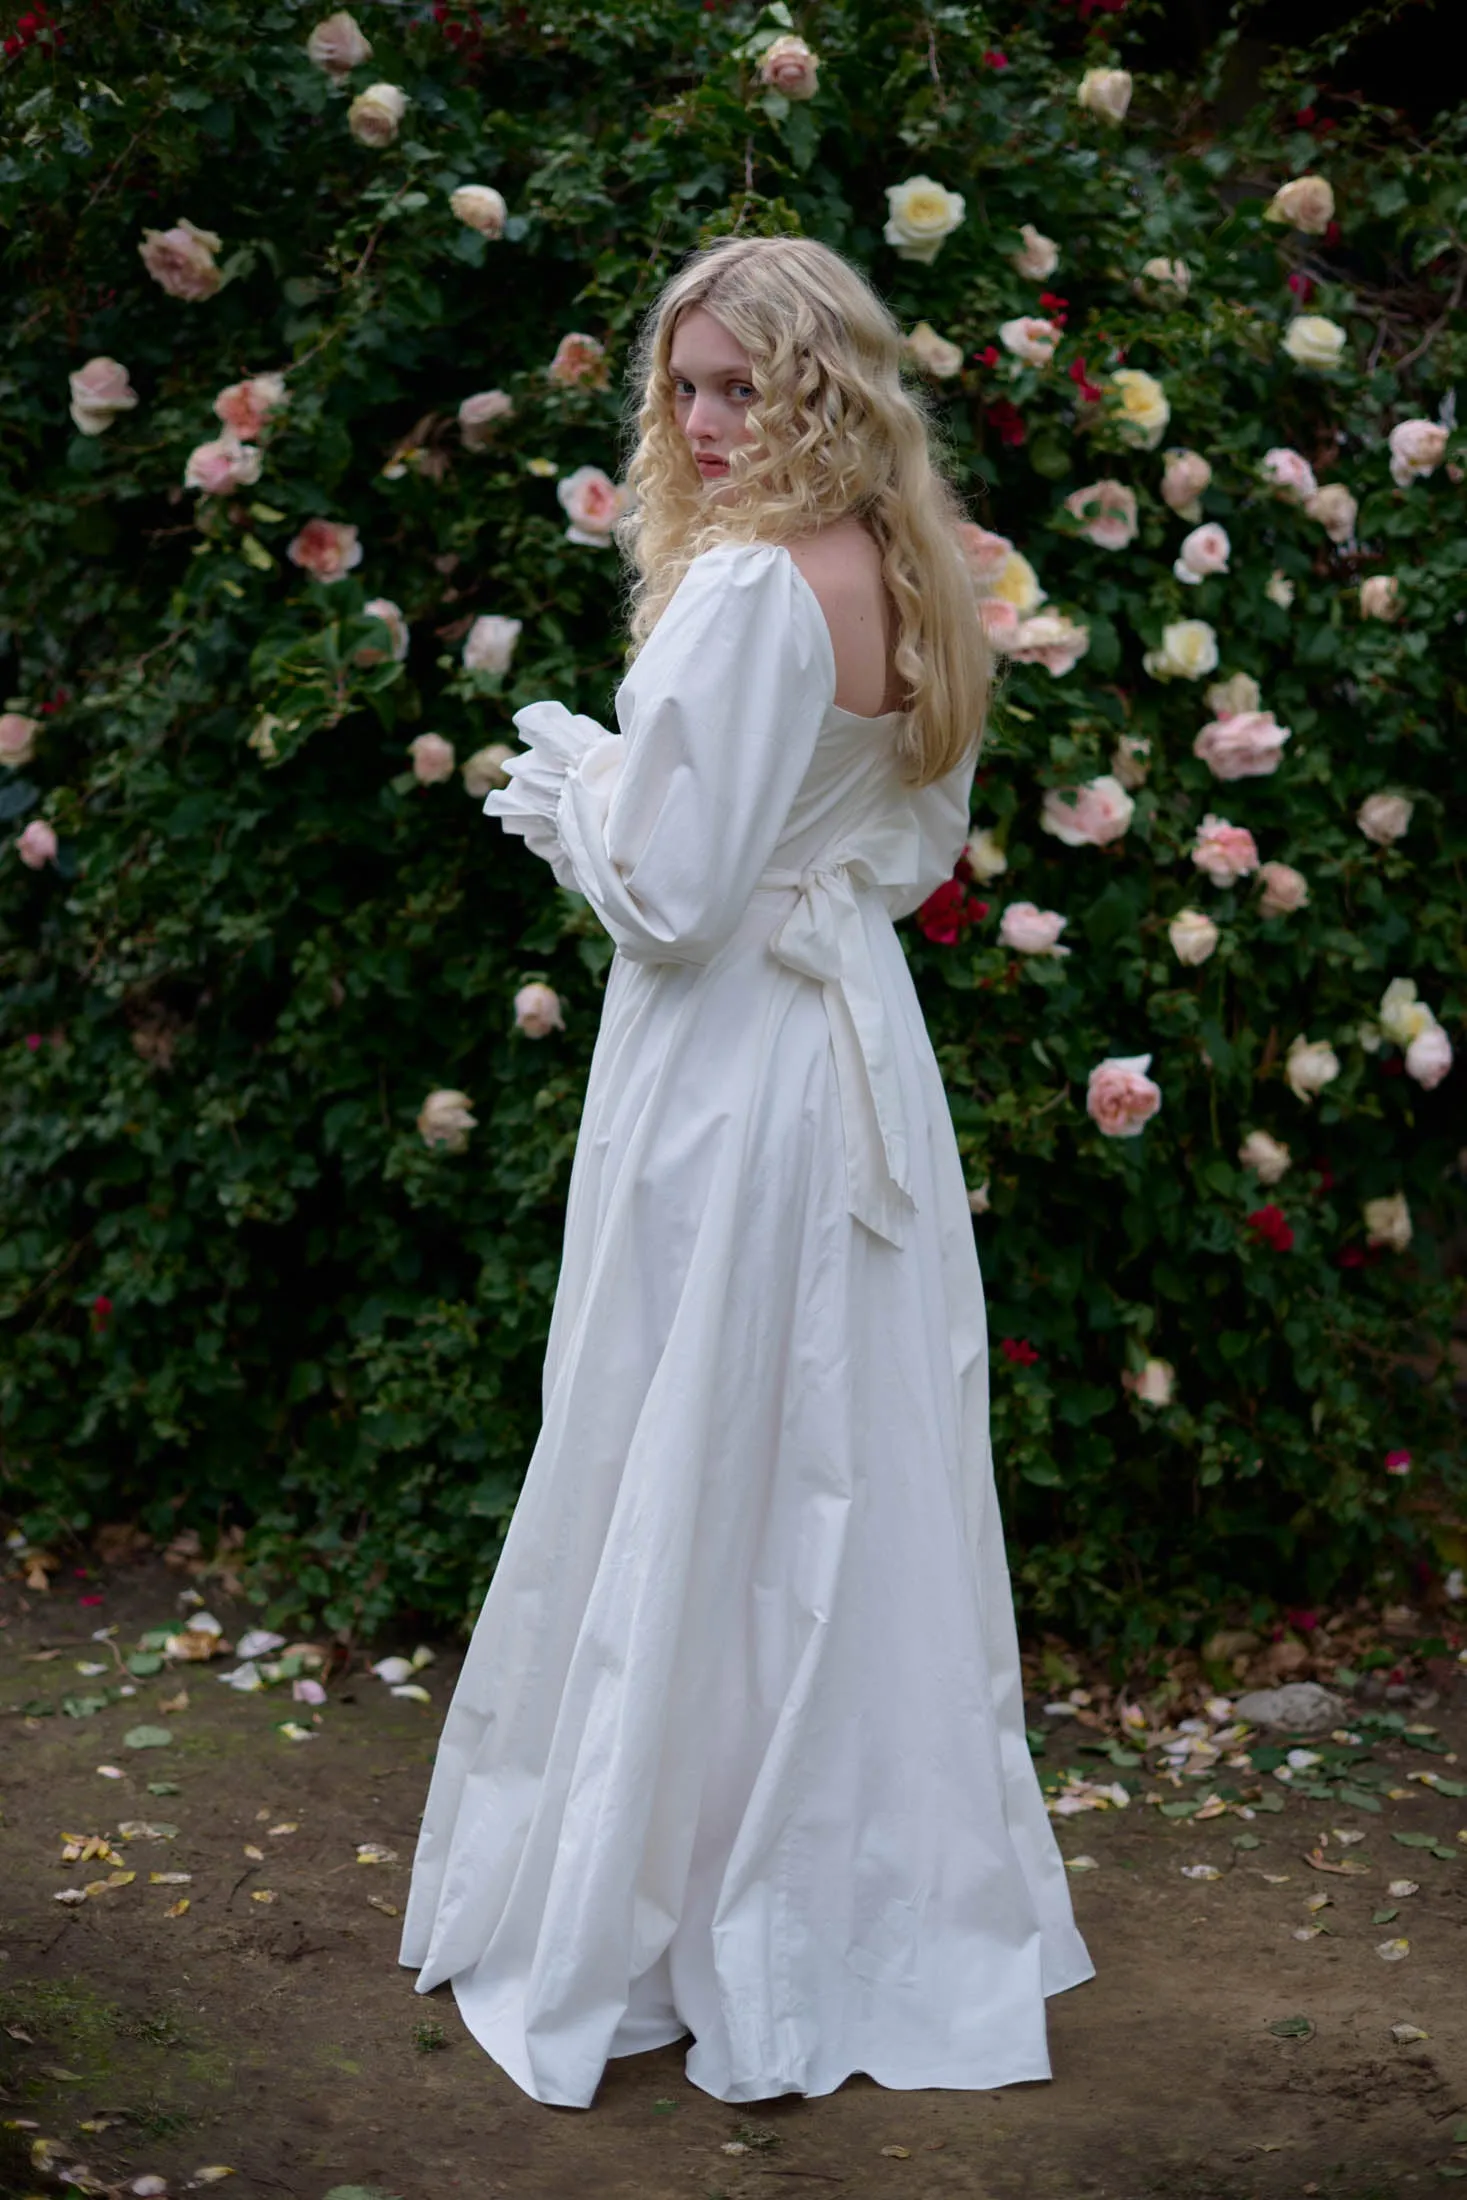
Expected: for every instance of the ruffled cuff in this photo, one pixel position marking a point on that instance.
(529, 805)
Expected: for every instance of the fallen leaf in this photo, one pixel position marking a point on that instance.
(69, 1894)
(1347, 1867)
(1276, 1879)
(111, 1772)
(287, 1825)
(380, 1902)
(294, 1732)
(1391, 1951)
(263, 1894)
(1384, 1917)
(143, 1829)
(121, 1879)
(169, 1879)
(413, 1693)
(897, 2154)
(61, 2074)
(1292, 2028)
(146, 1737)
(174, 1703)
(212, 2174)
(1317, 1901)
(372, 1852)
(1347, 1834)
(1200, 1871)
(178, 1908)
(1081, 1864)
(1307, 1932)
(18, 2032)
(256, 1855)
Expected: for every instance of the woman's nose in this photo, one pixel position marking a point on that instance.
(701, 418)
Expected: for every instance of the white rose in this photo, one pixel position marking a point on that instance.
(1279, 588)
(1052, 640)
(1384, 817)
(1229, 697)
(1129, 759)
(1307, 203)
(445, 1119)
(1310, 1066)
(99, 392)
(1029, 930)
(489, 643)
(1265, 1156)
(537, 1011)
(1204, 552)
(1417, 449)
(1388, 1222)
(1154, 1385)
(1144, 410)
(1380, 596)
(1105, 92)
(1193, 936)
(787, 65)
(432, 759)
(934, 353)
(338, 45)
(1164, 275)
(921, 214)
(1335, 509)
(1029, 338)
(374, 114)
(1402, 1016)
(1039, 258)
(1429, 1057)
(1312, 341)
(484, 770)
(1187, 474)
(978, 1198)
(479, 206)
(986, 860)
(1188, 652)
(477, 415)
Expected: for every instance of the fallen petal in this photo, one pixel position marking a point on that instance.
(393, 1670)
(258, 1643)
(1403, 2034)
(413, 1693)
(1391, 1951)
(1400, 1888)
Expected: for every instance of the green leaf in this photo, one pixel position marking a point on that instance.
(1416, 1840)
(1292, 2028)
(147, 1737)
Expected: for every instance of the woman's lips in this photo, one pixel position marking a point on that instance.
(713, 465)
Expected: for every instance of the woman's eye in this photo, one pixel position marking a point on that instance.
(743, 390)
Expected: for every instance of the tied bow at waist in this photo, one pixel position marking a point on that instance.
(823, 937)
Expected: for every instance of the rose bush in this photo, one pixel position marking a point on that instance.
(249, 913)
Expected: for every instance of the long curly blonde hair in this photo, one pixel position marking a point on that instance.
(835, 432)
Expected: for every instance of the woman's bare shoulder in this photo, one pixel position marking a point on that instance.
(839, 559)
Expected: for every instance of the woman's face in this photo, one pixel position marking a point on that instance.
(712, 389)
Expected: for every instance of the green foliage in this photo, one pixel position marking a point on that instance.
(235, 1283)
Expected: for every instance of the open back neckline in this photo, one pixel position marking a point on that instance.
(862, 718)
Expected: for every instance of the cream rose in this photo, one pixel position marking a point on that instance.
(1384, 817)
(1188, 652)
(1267, 1157)
(383, 608)
(1153, 1385)
(1204, 552)
(790, 67)
(537, 1011)
(1106, 512)
(1186, 475)
(445, 1119)
(1290, 472)
(1120, 1098)
(1029, 930)
(1105, 92)
(99, 392)
(1018, 584)
(1388, 1222)
(484, 770)
(490, 642)
(1284, 890)
(1310, 1066)
(592, 502)
(933, 353)
(986, 860)
(37, 845)
(247, 408)
(1245, 745)
(1193, 936)
(1335, 509)
(17, 738)
(1307, 203)
(374, 115)
(1402, 1016)
(1130, 759)
(1380, 596)
(479, 206)
(985, 554)
(1039, 258)
(1143, 410)
(1089, 816)
(978, 1198)
(1312, 341)
(1429, 1057)
(1228, 697)
(1279, 589)
(477, 415)
(1164, 275)
(579, 358)
(1030, 338)
(327, 549)
(1000, 622)
(181, 260)
(1052, 640)
(338, 46)
(921, 214)
(222, 466)
(1223, 852)
(1417, 449)
(433, 759)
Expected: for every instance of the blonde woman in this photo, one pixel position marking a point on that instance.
(738, 1746)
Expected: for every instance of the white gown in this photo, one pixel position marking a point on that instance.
(738, 1745)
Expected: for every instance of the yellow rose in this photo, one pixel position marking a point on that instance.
(921, 214)
(1144, 411)
(1018, 584)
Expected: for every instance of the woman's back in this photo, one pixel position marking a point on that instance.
(842, 563)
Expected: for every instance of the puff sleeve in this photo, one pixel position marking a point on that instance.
(666, 825)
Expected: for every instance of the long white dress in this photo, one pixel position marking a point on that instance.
(738, 1744)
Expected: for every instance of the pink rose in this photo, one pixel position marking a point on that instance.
(1032, 931)
(477, 415)
(1030, 338)
(1050, 640)
(1153, 1385)
(1039, 258)
(327, 549)
(1290, 472)
(1204, 552)
(383, 608)
(579, 358)
(1246, 745)
(479, 206)
(788, 66)
(1119, 1097)
(1335, 509)
(99, 392)
(1284, 890)
(246, 407)
(1225, 852)
(17, 738)
(37, 845)
(1429, 1056)
(490, 642)
(1187, 475)
(1417, 449)
(592, 503)
(338, 46)
(986, 554)
(1000, 621)
(219, 467)
(537, 1011)
(1099, 812)
(432, 757)
(181, 260)
(1380, 596)
(1106, 512)
(1384, 817)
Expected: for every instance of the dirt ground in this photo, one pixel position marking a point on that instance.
(267, 2027)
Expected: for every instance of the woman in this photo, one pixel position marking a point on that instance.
(738, 1746)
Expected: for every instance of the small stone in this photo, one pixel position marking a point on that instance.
(1300, 1707)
